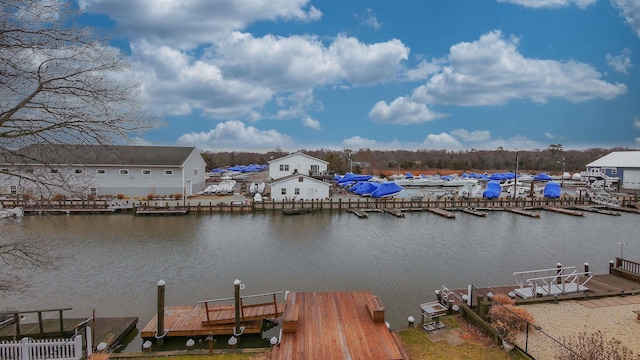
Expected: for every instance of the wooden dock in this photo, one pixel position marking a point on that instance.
(564, 211)
(523, 212)
(359, 213)
(442, 212)
(162, 211)
(336, 325)
(474, 212)
(598, 210)
(111, 330)
(192, 320)
(67, 211)
(297, 211)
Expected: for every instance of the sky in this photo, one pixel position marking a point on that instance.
(261, 75)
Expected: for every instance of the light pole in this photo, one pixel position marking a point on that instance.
(515, 180)
(562, 174)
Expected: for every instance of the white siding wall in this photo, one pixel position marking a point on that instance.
(288, 165)
(309, 189)
(194, 170)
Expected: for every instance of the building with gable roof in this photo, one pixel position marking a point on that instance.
(296, 163)
(621, 168)
(102, 170)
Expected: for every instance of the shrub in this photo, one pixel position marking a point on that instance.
(58, 197)
(593, 346)
(509, 319)
(177, 196)
(120, 196)
(91, 197)
(150, 196)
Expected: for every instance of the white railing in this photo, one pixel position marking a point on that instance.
(554, 281)
(30, 349)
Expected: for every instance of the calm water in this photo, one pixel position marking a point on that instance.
(112, 263)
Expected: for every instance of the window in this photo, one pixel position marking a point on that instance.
(614, 171)
(93, 191)
(284, 167)
(300, 179)
(146, 172)
(13, 189)
(195, 172)
(283, 191)
(53, 171)
(124, 172)
(77, 171)
(101, 171)
(168, 172)
(296, 191)
(315, 169)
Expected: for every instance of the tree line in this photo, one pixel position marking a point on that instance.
(553, 160)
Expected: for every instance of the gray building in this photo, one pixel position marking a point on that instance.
(82, 171)
(621, 168)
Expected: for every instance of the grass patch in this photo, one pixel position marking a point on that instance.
(418, 346)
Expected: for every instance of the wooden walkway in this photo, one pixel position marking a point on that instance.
(335, 325)
(599, 286)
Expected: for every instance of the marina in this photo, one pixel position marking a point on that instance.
(399, 260)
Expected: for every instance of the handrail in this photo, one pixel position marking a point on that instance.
(522, 277)
(628, 265)
(559, 282)
(243, 297)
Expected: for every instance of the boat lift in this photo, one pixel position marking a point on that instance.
(433, 310)
(551, 282)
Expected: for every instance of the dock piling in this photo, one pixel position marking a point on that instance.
(160, 333)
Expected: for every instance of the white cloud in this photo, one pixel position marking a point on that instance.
(550, 3)
(307, 121)
(423, 70)
(188, 24)
(636, 123)
(472, 136)
(620, 63)
(358, 142)
(637, 140)
(369, 19)
(549, 136)
(491, 71)
(402, 111)
(630, 10)
(441, 141)
(235, 134)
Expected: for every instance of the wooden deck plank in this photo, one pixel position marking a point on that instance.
(336, 325)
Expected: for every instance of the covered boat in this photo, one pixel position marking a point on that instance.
(552, 190)
(493, 190)
(367, 188)
(386, 189)
(542, 177)
(351, 177)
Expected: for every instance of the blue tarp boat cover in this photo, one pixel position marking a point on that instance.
(386, 189)
(353, 177)
(356, 186)
(552, 190)
(367, 188)
(542, 177)
(493, 190)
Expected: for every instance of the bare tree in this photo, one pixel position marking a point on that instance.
(59, 84)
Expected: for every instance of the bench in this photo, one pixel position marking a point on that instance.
(375, 308)
(290, 315)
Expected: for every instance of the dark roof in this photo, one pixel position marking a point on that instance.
(54, 154)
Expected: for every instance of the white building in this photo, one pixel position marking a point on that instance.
(619, 167)
(299, 187)
(101, 170)
(296, 163)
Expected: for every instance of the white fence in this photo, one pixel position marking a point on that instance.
(30, 349)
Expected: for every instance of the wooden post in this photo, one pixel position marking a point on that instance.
(160, 332)
(586, 267)
(236, 286)
(558, 278)
(61, 324)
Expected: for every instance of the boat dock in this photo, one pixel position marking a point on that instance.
(336, 325)
(598, 210)
(523, 212)
(111, 330)
(442, 212)
(162, 211)
(474, 212)
(564, 210)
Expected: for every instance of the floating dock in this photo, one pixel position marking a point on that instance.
(442, 212)
(162, 211)
(474, 212)
(564, 211)
(598, 210)
(359, 213)
(523, 212)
